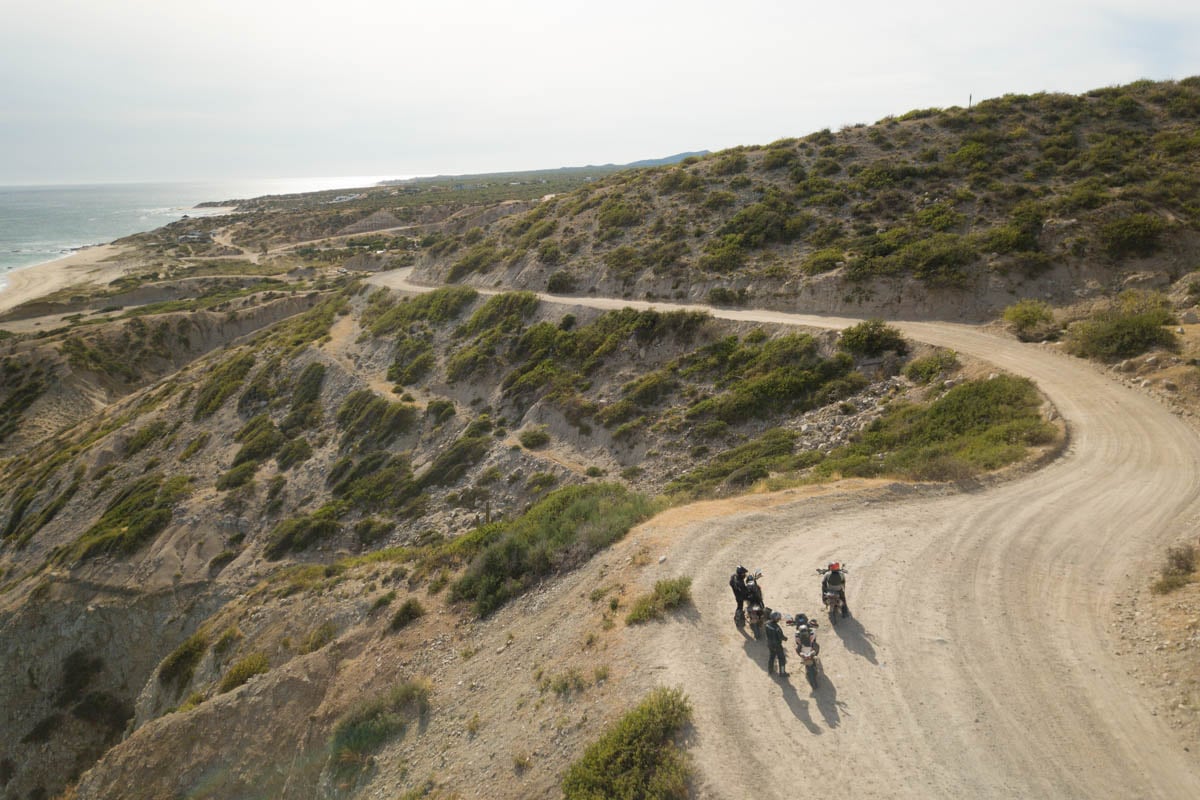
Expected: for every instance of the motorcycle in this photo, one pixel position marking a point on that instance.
(756, 611)
(756, 615)
(809, 651)
(832, 598)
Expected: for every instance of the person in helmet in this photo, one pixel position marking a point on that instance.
(737, 582)
(775, 640)
(754, 590)
(806, 633)
(835, 581)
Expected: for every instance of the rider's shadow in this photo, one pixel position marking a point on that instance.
(799, 707)
(855, 638)
(827, 703)
(756, 651)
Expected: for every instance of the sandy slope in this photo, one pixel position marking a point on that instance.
(978, 663)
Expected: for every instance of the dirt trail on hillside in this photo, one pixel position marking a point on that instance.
(979, 661)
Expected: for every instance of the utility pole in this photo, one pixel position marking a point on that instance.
(970, 97)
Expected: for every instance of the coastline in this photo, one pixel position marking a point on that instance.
(87, 266)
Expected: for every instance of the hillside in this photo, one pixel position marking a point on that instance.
(267, 479)
(948, 213)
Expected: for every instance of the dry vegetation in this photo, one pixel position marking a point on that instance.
(325, 470)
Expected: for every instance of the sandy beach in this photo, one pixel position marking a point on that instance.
(88, 266)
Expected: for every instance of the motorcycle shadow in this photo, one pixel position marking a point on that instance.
(855, 638)
(825, 696)
(799, 707)
(757, 653)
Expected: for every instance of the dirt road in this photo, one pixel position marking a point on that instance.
(979, 662)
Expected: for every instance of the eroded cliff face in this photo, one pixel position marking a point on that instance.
(73, 658)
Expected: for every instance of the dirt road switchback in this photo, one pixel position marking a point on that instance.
(979, 661)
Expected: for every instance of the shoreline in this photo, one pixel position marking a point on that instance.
(82, 265)
(88, 265)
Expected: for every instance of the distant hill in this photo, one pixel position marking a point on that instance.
(662, 162)
(945, 212)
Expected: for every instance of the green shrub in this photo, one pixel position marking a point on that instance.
(533, 438)
(723, 253)
(1136, 323)
(318, 637)
(925, 370)
(668, 595)
(679, 180)
(371, 530)
(440, 410)
(222, 383)
(378, 480)
(773, 451)
(479, 258)
(729, 164)
(978, 425)
(178, 668)
(823, 261)
(407, 614)
(872, 337)
(133, 517)
(453, 462)
(1032, 320)
(616, 212)
(260, 439)
(413, 360)
(772, 219)
(368, 726)
(1177, 569)
(561, 530)
(439, 306)
(1134, 235)
(259, 392)
(240, 475)
(301, 532)
(296, 451)
(144, 437)
(243, 670)
(939, 217)
(560, 283)
(195, 446)
(502, 312)
(720, 296)
(367, 418)
(637, 757)
(308, 385)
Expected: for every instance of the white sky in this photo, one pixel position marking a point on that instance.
(95, 90)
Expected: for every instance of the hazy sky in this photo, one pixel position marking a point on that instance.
(95, 90)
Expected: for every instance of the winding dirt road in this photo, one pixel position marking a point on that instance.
(978, 662)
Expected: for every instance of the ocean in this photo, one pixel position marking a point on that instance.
(44, 223)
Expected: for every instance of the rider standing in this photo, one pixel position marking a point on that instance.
(737, 582)
(835, 581)
(775, 640)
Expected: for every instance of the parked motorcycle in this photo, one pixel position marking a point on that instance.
(806, 646)
(756, 610)
(831, 597)
(756, 615)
